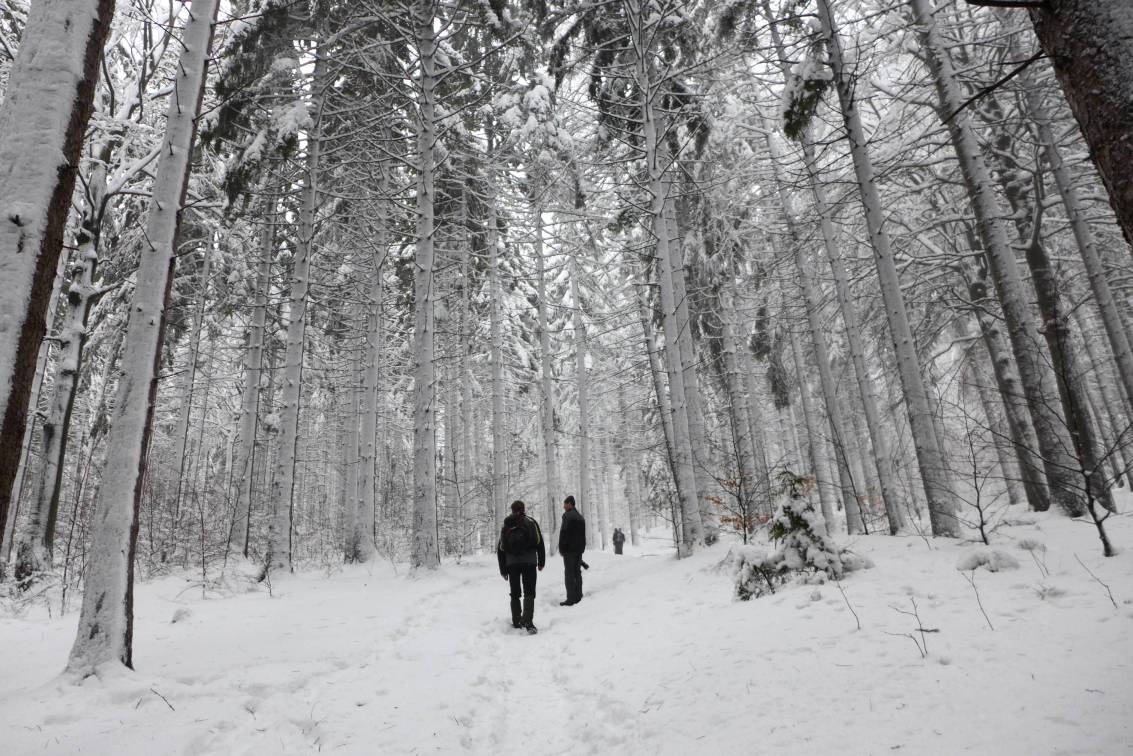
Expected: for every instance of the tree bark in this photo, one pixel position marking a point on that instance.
(43, 122)
(930, 457)
(106, 621)
(1001, 258)
(1090, 45)
(424, 551)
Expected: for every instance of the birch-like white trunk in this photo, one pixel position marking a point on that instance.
(990, 223)
(105, 633)
(930, 458)
(424, 552)
(47, 103)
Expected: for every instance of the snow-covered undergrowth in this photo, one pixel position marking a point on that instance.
(659, 658)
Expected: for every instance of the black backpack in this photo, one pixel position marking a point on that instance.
(519, 538)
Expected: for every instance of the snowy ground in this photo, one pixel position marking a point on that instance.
(658, 659)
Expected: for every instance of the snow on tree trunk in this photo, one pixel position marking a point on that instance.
(243, 465)
(423, 552)
(105, 634)
(281, 495)
(7, 530)
(43, 119)
(930, 457)
(36, 541)
(1090, 44)
(1001, 258)
(546, 384)
(692, 535)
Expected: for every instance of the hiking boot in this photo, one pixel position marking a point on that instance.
(568, 602)
(528, 612)
(531, 629)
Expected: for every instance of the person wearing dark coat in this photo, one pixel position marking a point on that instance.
(572, 542)
(619, 539)
(519, 566)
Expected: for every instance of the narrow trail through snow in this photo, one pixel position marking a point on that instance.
(657, 659)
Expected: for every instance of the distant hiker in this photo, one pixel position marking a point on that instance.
(572, 542)
(520, 551)
(619, 539)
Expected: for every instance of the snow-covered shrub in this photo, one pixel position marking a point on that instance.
(993, 559)
(802, 549)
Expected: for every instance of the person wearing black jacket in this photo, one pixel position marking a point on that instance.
(572, 542)
(521, 552)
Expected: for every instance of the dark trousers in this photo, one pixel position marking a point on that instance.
(617, 548)
(572, 567)
(522, 574)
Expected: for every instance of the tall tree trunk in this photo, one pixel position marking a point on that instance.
(424, 551)
(930, 457)
(1083, 237)
(546, 383)
(812, 303)
(43, 121)
(582, 498)
(1020, 326)
(1090, 44)
(106, 621)
(36, 541)
(748, 483)
(283, 480)
(7, 530)
(181, 459)
(250, 399)
(366, 503)
(1024, 441)
(692, 534)
(882, 457)
(826, 492)
(495, 326)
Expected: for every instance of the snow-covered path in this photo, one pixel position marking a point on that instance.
(658, 659)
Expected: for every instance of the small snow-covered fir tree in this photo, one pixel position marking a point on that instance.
(802, 548)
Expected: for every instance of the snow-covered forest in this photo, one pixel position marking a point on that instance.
(308, 290)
